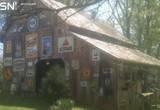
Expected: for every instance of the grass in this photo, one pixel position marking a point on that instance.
(9, 102)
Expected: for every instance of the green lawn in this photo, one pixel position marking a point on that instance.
(8, 102)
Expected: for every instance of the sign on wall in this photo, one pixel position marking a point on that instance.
(86, 73)
(31, 42)
(7, 73)
(8, 47)
(95, 55)
(18, 48)
(33, 23)
(83, 83)
(75, 64)
(18, 65)
(46, 46)
(65, 44)
(7, 61)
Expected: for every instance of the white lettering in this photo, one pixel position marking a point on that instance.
(3, 6)
(8, 6)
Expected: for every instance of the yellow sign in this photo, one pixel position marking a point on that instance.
(86, 73)
(7, 74)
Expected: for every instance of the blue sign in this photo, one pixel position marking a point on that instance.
(33, 23)
(47, 46)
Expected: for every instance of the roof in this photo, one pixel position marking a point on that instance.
(120, 52)
(80, 21)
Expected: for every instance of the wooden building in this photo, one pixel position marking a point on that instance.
(103, 65)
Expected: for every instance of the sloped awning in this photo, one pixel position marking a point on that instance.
(75, 19)
(120, 52)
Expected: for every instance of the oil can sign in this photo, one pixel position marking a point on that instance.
(65, 44)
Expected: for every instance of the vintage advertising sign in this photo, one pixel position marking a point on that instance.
(47, 46)
(18, 65)
(8, 47)
(31, 43)
(65, 44)
(83, 83)
(30, 72)
(86, 73)
(7, 73)
(95, 55)
(33, 23)
(7, 61)
(18, 52)
(75, 64)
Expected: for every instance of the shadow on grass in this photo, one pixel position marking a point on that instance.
(28, 102)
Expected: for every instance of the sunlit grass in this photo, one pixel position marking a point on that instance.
(2, 107)
(9, 102)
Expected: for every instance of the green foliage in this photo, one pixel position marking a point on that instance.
(63, 104)
(55, 85)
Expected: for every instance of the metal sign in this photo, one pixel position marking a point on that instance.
(75, 64)
(83, 83)
(95, 55)
(33, 23)
(18, 65)
(47, 46)
(31, 42)
(65, 44)
(7, 73)
(7, 61)
(86, 73)
(18, 52)
(8, 47)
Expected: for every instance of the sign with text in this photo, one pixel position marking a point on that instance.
(7, 61)
(8, 47)
(18, 64)
(65, 44)
(95, 55)
(31, 43)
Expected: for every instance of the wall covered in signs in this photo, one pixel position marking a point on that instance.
(39, 41)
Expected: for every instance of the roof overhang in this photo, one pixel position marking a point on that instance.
(120, 52)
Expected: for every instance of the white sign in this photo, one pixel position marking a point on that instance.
(65, 44)
(83, 83)
(7, 61)
(18, 64)
(95, 55)
(75, 64)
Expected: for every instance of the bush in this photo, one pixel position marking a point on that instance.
(63, 104)
(54, 85)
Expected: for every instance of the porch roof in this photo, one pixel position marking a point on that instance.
(72, 17)
(120, 52)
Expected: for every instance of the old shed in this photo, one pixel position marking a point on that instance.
(103, 65)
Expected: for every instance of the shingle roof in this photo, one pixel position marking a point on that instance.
(120, 52)
(80, 21)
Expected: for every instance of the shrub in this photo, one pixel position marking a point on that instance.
(54, 85)
(63, 104)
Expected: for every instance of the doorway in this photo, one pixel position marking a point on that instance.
(42, 68)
